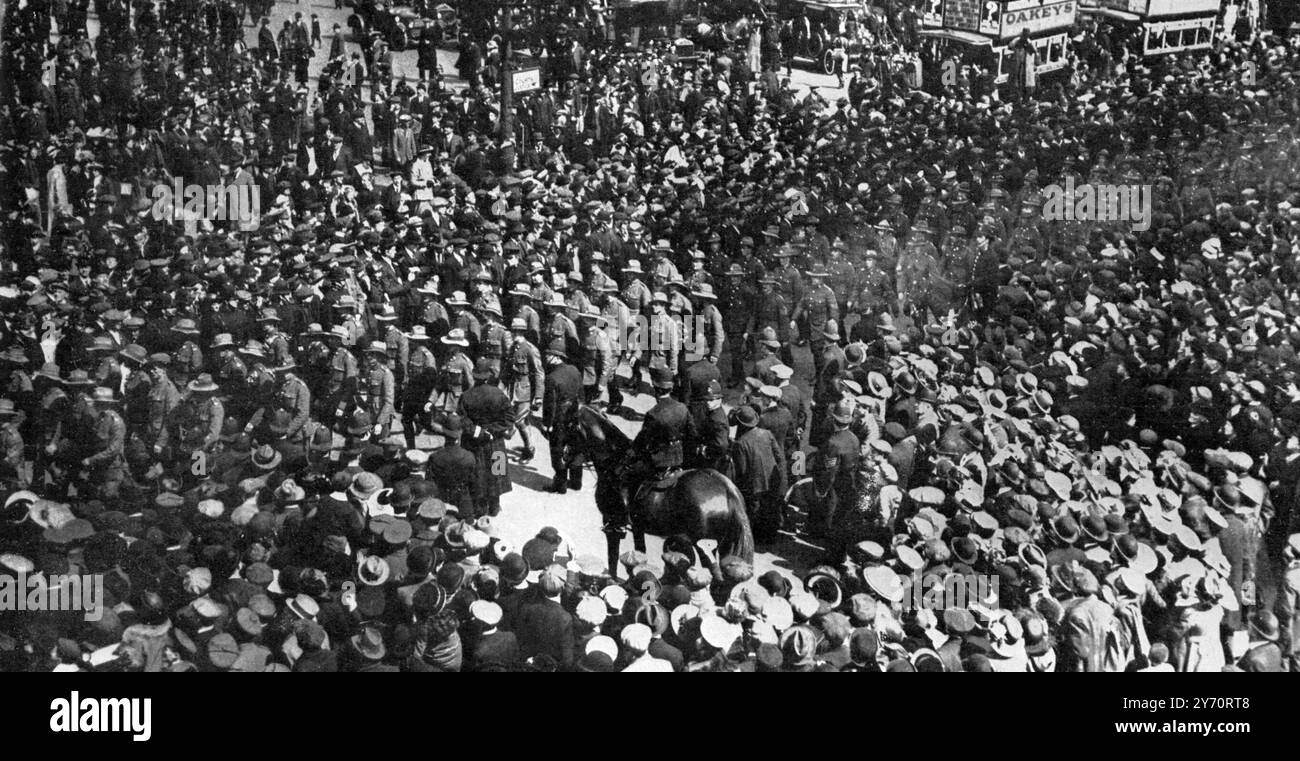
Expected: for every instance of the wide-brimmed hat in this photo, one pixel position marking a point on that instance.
(187, 326)
(266, 458)
(704, 291)
(103, 395)
(373, 571)
(203, 384)
(634, 265)
(456, 337)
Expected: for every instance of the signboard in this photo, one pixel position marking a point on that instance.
(1032, 17)
(932, 13)
(526, 80)
(1128, 6)
(1162, 8)
(962, 14)
(1164, 37)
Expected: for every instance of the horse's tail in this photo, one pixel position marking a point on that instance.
(740, 539)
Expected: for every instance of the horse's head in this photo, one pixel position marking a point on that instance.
(589, 433)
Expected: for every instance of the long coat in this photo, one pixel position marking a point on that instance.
(489, 421)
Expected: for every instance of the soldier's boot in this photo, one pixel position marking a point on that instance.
(613, 539)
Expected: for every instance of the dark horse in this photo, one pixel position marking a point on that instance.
(701, 504)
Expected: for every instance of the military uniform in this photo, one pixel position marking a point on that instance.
(106, 465)
(421, 379)
(819, 306)
(399, 353)
(597, 364)
(13, 473)
(456, 376)
(663, 344)
(495, 343)
(523, 379)
(637, 297)
(187, 362)
(737, 301)
(341, 387)
(380, 397)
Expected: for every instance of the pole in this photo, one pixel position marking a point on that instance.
(506, 122)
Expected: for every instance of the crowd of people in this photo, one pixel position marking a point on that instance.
(281, 439)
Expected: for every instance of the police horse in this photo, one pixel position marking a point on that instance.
(696, 504)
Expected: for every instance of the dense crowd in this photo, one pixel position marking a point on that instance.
(280, 438)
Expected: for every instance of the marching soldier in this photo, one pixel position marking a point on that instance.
(636, 294)
(663, 340)
(164, 398)
(496, 339)
(105, 466)
(13, 467)
(52, 413)
(187, 360)
(421, 378)
(231, 374)
(711, 331)
(196, 429)
(737, 301)
(597, 357)
(456, 375)
(135, 392)
(788, 282)
(523, 378)
(819, 307)
(772, 312)
(523, 299)
(275, 342)
(399, 349)
(341, 387)
(379, 389)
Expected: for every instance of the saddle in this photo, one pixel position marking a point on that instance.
(653, 489)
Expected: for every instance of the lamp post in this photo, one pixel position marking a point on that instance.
(506, 122)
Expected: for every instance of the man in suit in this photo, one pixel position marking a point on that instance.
(492, 648)
(559, 404)
(1263, 653)
(758, 462)
(543, 626)
(1087, 621)
(453, 468)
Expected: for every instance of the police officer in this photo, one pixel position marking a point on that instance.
(488, 421)
(524, 379)
(658, 447)
(560, 402)
(710, 432)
